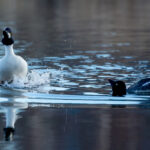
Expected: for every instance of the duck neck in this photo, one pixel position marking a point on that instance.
(9, 50)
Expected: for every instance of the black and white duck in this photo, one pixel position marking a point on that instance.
(11, 65)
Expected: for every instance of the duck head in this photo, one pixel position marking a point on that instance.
(7, 37)
(118, 88)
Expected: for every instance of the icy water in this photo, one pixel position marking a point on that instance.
(72, 48)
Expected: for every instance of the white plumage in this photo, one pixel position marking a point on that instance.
(12, 65)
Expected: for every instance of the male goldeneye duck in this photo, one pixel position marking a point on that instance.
(119, 87)
(11, 65)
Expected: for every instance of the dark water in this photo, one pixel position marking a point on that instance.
(81, 128)
(72, 48)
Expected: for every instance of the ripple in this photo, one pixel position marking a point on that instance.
(115, 44)
(103, 55)
(128, 57)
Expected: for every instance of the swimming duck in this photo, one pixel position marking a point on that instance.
(11, 65)
(119, 87)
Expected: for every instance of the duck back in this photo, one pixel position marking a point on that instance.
(142, 85)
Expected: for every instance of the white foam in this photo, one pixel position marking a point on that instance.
(37, 79)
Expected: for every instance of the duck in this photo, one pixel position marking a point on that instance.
(119, 87)
(11, 65)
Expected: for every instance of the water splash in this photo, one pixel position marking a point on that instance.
(36, 80)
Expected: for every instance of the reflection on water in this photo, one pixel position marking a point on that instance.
(78, 128)
(11, 110)
(75, 122)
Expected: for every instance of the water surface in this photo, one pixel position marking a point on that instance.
(73, 48)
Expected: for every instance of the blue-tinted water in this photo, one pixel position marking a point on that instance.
(73, 48)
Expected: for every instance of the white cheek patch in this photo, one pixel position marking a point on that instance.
(9, 35)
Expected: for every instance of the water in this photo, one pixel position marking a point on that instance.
(73, 48)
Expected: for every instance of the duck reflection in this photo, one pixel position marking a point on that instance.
(11, 109)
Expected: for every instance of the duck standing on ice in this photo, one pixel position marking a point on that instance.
(11, 65)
